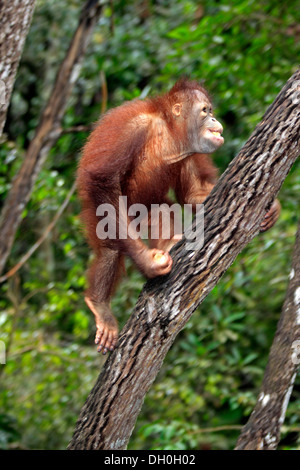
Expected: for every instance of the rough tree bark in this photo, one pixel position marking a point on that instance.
(262, 432)
(233, 213)
(47, 131)
(15, 19)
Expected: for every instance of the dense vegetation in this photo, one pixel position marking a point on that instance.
(244, 51)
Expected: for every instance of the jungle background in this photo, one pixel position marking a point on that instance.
(244, 52)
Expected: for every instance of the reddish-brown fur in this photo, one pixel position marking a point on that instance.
(114, 153)
(125, 156)
(141, 150)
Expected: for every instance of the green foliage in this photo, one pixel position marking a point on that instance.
(244, 51)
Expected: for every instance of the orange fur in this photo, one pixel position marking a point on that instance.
(135, 151)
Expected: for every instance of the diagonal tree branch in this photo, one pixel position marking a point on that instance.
(47, 131)
(15, 19)
(262, 432)
(45, 234)
(233, 213)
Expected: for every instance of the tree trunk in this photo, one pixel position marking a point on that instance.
(47, 131)
(233, 213)
(15, 19)
(262, 432)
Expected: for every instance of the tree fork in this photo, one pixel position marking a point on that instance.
(233, 213)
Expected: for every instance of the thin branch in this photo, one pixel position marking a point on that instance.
(79, 128)
(36, 245)
(229, 427)
(104, 92)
